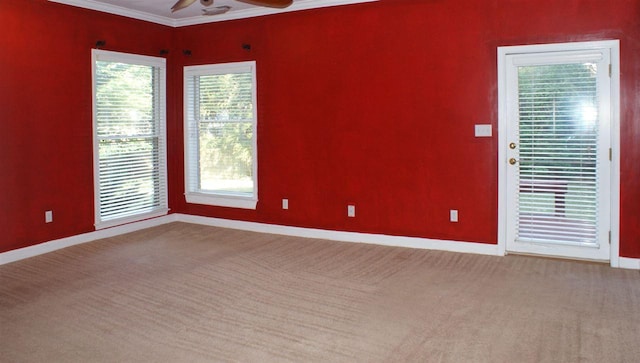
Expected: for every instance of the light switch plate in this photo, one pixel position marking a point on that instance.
(483, 130)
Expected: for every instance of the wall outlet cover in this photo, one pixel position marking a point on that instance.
(48, 216)
(453, 215)
(351, 211)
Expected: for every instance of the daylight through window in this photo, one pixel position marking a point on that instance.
(220, 145)
(129, 137)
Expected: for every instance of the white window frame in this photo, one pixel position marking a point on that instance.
(157, 62)
(191, 134)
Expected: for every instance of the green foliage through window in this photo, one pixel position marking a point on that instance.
(128, 127)
(223, 118)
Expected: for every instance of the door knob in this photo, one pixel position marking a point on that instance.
(513, 161)
(512, 145)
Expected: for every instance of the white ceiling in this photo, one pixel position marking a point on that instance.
(159, 11)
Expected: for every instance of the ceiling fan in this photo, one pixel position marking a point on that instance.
(181, 4)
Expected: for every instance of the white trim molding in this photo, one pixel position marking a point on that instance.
(370, 238)
(46, 247)
(118, 10)
(168, 20)
(378, 239)
(341, 236)
(628, 263)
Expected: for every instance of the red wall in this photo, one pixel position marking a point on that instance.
(375, 104)
(46, 150)
(372, 104)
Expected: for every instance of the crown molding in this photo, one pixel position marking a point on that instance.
(232, 15)
(118, 10)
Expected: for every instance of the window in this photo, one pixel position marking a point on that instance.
(220, 135)
(129, 137)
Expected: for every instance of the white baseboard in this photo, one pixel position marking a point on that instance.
(629, 263)
(58, 244)
(379, 239)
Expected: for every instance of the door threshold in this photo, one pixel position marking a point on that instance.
(560, 258)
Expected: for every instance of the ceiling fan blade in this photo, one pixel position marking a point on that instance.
(181, 4)
(279, 4)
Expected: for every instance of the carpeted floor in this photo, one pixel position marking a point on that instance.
(188, 293)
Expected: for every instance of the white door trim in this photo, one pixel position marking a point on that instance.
(614, 47)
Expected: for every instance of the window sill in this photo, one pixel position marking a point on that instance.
(130, 219)
(221, 200)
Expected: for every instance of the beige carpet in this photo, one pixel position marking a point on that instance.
(188, 293)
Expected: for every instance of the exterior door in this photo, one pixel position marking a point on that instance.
(558, 152)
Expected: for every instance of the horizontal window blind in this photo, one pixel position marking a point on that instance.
(558, 145)
(129, 126)
(220, 125)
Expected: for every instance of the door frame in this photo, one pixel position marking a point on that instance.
(614, 47)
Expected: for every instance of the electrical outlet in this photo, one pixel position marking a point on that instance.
(285, 204)
(48, 216)
(351, 211)
(453, 215)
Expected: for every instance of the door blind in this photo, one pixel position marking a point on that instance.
(558, 144)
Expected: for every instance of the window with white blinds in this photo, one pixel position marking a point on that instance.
(220, 135)
(558, 148)
(129, 137)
